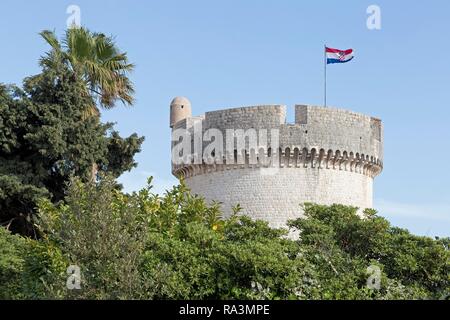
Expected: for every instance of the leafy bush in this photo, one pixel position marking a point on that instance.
(146, 246)
(104, 233)
(30, 269)
(345, 244)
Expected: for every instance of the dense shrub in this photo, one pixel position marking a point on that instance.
(146, 246)
(30, 269)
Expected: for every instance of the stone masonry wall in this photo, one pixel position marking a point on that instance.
(277, 198)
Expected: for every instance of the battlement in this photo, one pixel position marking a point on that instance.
(315, 128)
(256, 117)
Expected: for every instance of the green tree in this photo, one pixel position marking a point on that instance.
(104, 233)
(143, 246)
(47, 131)
(183, 249)
(176, 246)
(343, 244)
(45, 139)
(94, 59)
(30, 269)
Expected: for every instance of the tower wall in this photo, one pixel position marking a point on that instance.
(277, 198)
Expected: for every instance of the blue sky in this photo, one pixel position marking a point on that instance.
(243, 52)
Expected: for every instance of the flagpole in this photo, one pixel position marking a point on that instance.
(325, 76)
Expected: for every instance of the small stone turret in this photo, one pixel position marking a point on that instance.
(180, 109)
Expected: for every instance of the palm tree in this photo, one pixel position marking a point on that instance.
(94, 59)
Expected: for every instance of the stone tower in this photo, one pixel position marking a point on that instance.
(327, 156)
(180, 109)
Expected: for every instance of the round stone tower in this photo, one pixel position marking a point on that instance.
(180, 109)
(270, 167)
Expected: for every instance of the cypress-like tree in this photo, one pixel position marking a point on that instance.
(45, 138)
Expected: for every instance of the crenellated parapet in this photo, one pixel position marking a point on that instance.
(320, 138)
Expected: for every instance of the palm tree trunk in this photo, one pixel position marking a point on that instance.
(94, 172)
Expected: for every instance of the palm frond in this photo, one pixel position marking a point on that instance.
(94, 59)
(51, 38)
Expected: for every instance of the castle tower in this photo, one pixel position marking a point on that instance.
(327, 156)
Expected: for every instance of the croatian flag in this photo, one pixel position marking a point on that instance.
(338, 56)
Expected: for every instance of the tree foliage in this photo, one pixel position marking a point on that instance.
(345, 244)
(45, 139)
(50, 129)
(94, 60)
(175, 246)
